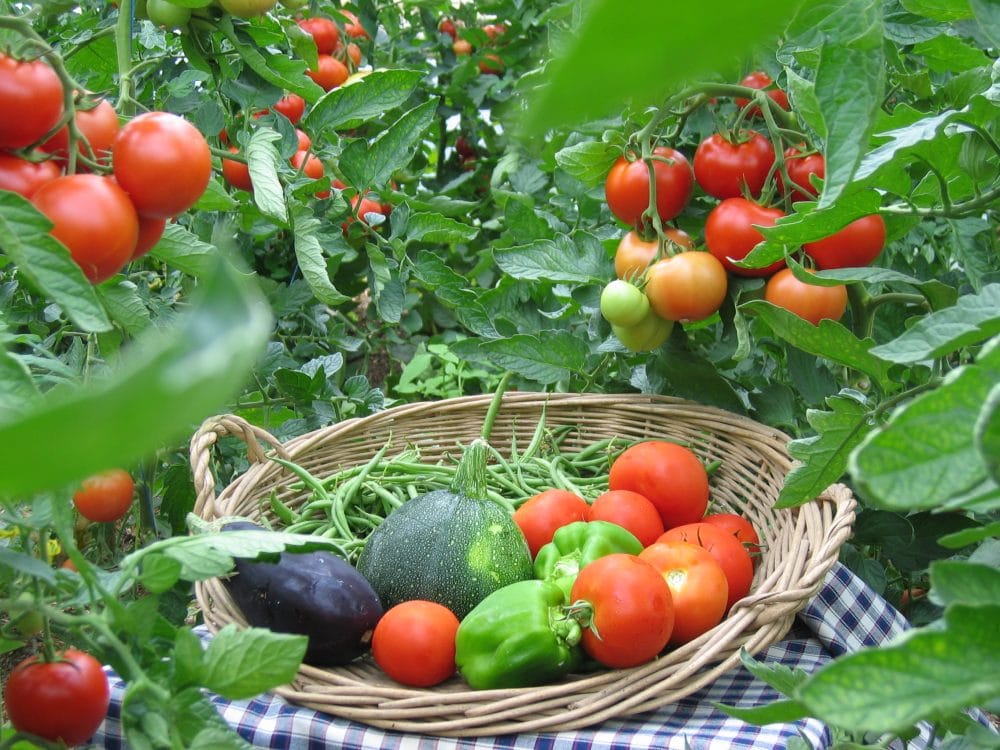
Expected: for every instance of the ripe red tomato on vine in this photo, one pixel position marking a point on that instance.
(25, 176)
(99, 125)
(758, 79)
(627, 186)
(106, 496)
(727, 168)
(856, 245)
(61, 701)
(324, 32)
(801, 166)
(31, 101)
(329, 72)
(731, 233)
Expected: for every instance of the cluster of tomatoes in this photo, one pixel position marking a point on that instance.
(662, 279)
(490, 63)
(109, 197)
(66, 699)
(335, 60)
(693, 567)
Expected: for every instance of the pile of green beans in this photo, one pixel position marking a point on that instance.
(347, 505)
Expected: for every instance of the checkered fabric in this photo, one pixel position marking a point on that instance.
(844, 616)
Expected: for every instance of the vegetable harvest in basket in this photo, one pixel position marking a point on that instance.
(585, 593)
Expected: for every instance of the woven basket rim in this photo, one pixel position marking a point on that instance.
(810, 537)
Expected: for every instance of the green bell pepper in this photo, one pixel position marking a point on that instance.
(576, 544)
(518, 636)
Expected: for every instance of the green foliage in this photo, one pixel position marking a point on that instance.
(488, 253)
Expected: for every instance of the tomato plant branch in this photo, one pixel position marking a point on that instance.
(123, 57)
(972, 206)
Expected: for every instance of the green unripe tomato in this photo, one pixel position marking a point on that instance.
(623, 304)
(648, 334)
(30, 623)
(247, 8)
(165, 13)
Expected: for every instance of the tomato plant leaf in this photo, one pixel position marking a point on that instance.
(693, 376)
(370, 165)
(965, 537)
(562, 259)
(47, 264)
(546, 358)
(194, 367)
(589, 161)
(579, 85)
(27, 564)
(829, 339)
(849, 87)
(802, 93)
(810, 223)
(926, 452)
(181, 249)
(964, 582)
(372, 96)
(782, 678)
(310, 257)
(263, 161)
(938, 671)
(244, 663)
(824, 456)
(987, 13)
(939, 10)
(159, 573)
(17, 388)
(775, 712)
(122, 302)
(986, 433)
(281, 71)
(972, 320)
(438, 229)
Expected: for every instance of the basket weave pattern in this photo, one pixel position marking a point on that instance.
(799, 548)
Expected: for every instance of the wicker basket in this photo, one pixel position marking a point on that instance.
(799, 548)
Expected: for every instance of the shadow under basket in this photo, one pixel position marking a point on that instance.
(799, 547)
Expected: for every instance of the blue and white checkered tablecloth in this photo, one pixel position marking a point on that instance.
(846, 615)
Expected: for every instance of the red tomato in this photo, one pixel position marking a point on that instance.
(631, 511)
(353, 26)
(94, 218)
(236, 173)
(492, 65)
(311, 167)
(462, 47)
(808, 301)
(324, 32)
(150, 231)
(291, 106)
(447, 26)
(305, 142)
(364, 206)
(856, 245)
(31, 101)
(106, 496)
(730, 233)
(464, 148)
(725, 169)
(23, 176)
(162, 162)
(761, 80)
(494, 30)
(414, 643)
(329, 72)
(99, 125)
(800, 167)
(739, 527)
(627, 186)
(725, 548)
(353, 51)
(667, 474)
(697, 585)
(539, 516)
(688, 286)
(64, 700)
(632, 612)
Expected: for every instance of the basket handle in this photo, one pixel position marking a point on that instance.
(206, 437)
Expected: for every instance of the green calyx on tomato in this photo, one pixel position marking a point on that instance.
(729, 168)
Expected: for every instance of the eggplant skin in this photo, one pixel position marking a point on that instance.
(315, 594)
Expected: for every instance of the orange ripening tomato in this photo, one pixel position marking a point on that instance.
(541, 515)
(726, 549)
(632, 610)
(669, 475)
(634, 254)
(687, 287)
(698, 586)
(631, 511)
(808, 301)
(414, 643)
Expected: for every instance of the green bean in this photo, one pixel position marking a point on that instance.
(302, 473)
(284, 514)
